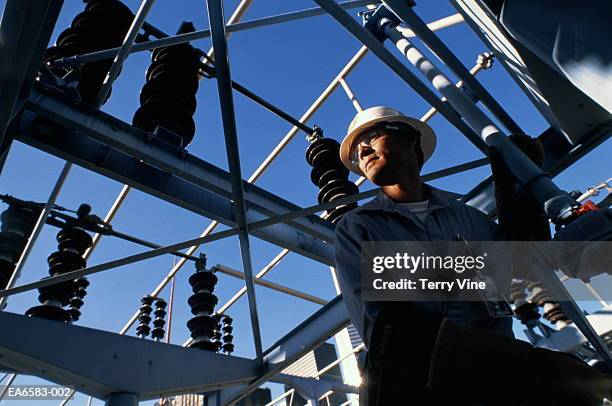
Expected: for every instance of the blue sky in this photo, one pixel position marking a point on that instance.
(290, 65)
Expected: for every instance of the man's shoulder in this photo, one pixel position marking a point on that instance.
(356, 216)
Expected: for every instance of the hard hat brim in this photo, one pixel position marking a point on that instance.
(428, 138)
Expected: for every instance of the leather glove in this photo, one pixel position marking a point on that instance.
(520, 215)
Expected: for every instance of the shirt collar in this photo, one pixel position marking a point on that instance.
(438, 198)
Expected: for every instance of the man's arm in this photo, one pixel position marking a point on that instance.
(349, 235)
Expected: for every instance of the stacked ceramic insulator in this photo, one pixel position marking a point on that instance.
(159, 323)
(217, 333)
(203, 325)
(80, 291)
(73, 241)
(228, 338)
(16, 228)
(102, 25)
(144, 316)
(524, 310)
(167, 99)
(552, 310)
(330, 175)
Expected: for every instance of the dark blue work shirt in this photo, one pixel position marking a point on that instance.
(382, 219)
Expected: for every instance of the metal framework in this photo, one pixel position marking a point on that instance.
(32, 113)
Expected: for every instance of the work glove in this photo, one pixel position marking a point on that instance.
(520, 215)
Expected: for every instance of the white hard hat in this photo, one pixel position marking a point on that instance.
(367, 118)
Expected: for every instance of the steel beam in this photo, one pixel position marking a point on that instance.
(25, 31)
(228, 115)
(89, 360)
(401, 70)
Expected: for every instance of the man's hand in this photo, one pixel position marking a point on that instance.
(520, 215)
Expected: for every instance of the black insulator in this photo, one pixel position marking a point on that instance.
(144, 316)
(202, 303)
(552, 310)
(102, 25)
(17, 226)
(228, 338)
(526, 311)
(76, 302)
(159, 323)
(167, 99)
(330, 176)
(217, 333)
(72, 243)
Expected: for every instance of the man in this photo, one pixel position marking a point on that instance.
(408, 341)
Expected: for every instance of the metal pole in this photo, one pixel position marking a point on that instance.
(418, 26)
(124, 50)
(484, 61)
(170, 308)
(351, 95)
(557, 204)
(7, 385)
(270, 107)
(280, 397)
(401, 70)
(272, 285)
(40, 223)
(217, 28)
(355, 350)
(237, 15)
(121, 399)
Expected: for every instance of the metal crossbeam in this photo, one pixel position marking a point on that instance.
(228, 115)
(99, 363)
(96, 356)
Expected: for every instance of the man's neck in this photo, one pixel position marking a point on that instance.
(405, 193)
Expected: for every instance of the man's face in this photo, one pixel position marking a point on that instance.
(387, 158)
